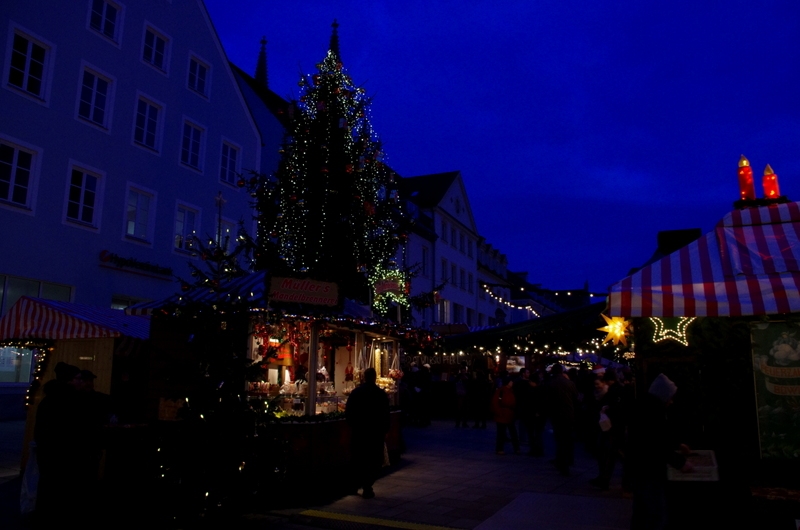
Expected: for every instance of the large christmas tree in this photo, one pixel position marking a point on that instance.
(332, 211)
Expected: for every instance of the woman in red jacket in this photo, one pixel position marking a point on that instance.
(503, 403)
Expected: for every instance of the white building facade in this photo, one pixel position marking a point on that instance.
(447, 252)
(123, 134)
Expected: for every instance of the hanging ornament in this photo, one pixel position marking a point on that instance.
(348, 168)
(369, 208)
(241, 183)
(616, 329)
(671, 328)
(185, 287)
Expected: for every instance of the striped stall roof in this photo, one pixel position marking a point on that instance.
(35, 318)
(748, 265)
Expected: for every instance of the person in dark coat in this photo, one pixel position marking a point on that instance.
(610, 433)
(58, 437)
(526, 391)
(479, 396)
(367, 413)
(653, 447)
(562, 399)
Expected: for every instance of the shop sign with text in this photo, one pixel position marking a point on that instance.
(294, 290)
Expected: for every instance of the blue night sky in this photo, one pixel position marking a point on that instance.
(580, 128)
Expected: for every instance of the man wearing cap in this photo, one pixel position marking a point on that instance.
(653, 447)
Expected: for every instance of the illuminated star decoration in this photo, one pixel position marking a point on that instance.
(616, 329)
(671, 328)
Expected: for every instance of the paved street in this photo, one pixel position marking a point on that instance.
(447, 478)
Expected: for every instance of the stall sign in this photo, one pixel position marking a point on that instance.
(388, 286)
(299, 291)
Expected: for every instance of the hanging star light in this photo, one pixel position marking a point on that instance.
(671, 328)
(616, 330)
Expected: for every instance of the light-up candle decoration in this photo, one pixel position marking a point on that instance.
(770, 183)
(747, 189)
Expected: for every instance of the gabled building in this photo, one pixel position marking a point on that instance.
(450, 253)
(124, 133)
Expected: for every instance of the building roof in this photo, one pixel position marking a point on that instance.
(278, 106)
(427, 191)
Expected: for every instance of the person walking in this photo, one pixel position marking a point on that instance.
(562, 398)
(462, 411)
(367, 414)
(503, 405)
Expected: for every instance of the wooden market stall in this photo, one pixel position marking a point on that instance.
(301, 360)
(88, 337)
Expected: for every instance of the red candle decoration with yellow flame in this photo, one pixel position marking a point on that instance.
(747, 189)
(770, 183)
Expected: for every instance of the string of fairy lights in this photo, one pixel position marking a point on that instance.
(487, 288)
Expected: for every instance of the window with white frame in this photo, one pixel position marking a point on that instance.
(198, 76)
(17, 165)
(469, 248)
(95, 96)
(443, 311)
(444, 231)
(424, 265)
(156, 48)
(147, 123)
(139, 212)
(462, 243)
(453, 275)
(82, 197)
(444, 270)
(463, 282)
(28, 64)
(186, 219)
(470, 283)
(191, 145)
(453, 238)
(470, 317)
(104, 18)
(229, 163)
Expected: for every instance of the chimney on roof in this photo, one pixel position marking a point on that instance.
(261, 65)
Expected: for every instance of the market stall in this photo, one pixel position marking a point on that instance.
(46, 332)
(719, 317)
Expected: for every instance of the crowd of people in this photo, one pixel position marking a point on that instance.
(596, 407)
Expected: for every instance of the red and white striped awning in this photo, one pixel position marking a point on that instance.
(748, 265)
(35, 318)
